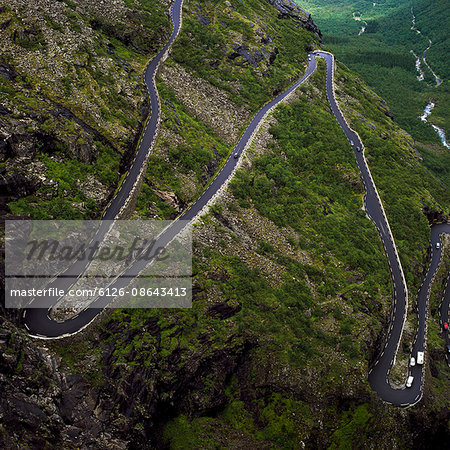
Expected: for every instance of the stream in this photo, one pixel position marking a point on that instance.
(438, 80)
(438, 130)
(359, 19)
(421, 75)
(424, 56)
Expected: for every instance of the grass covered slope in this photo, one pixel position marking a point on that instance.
(244, 47)
(406, 187)
(291, 260)
(229, 59)
(292, 293)
(292, 286)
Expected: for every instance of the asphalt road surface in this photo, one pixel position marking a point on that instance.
(40, 324)
(444, 311)
(151, 128)
(378, 376)
(36, 318)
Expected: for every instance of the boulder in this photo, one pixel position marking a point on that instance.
(288, 9)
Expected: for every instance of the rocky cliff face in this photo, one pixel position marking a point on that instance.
(107, 400)
(290, 9)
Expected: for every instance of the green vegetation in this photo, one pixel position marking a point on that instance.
(199, 145)
(70, 358)
(197, 155)
(61, 196)
(404, 192)
(437, 162)
(308, 181)
(182, 433)
(85, 109)
(436, 339)
(281, 418)
(210, 50)
(151, 19)
(353, 430)
(381, 55)
(281, 320)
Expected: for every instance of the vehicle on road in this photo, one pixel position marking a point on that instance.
(445, 326)
(412, 362)
(438, 245)
(420, 357)
(236, 156)
(358, 148)
(351, 143)
(448, 348)
(409, 381)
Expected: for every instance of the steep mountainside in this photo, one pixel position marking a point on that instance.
(292, 290)
(72, 100)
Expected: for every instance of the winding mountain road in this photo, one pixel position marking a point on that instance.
(36, 318)
(378, 376)
(39, 324)
(151, 129)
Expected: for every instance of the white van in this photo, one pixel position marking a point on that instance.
(409, 381)
(420, 357)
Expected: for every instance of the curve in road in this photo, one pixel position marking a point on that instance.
(41, 325)
(378, 376)
(151, 128)
(36, 318)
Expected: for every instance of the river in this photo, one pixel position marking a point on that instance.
(424, 56)
(359, 19)
(438, 130)
(421, 75)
